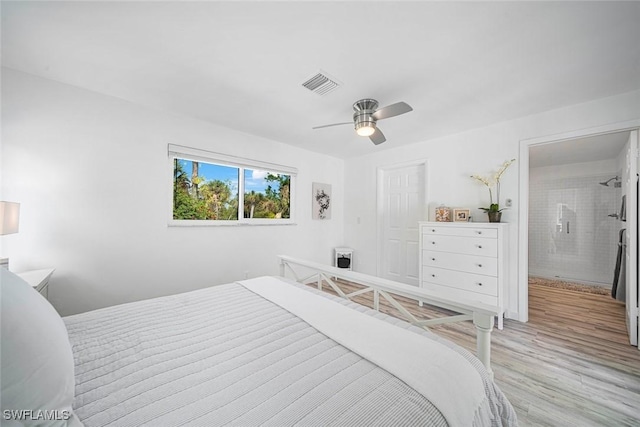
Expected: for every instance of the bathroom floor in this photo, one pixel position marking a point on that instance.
(592, 289)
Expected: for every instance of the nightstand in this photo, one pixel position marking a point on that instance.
(38, 279)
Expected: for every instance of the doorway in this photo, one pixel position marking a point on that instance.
(401, 205)
(573, 214)
(575, 194)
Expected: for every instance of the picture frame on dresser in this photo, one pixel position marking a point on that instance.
(461, 215)
(443, 214)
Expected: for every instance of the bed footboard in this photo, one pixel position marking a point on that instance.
(482, 315)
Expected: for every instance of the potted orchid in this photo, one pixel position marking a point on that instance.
(494, 211)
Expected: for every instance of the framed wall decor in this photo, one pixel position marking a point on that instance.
(461, 215)
(321, 201)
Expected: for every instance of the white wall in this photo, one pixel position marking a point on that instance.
(453, 158)
(605, 168)
(91, 173)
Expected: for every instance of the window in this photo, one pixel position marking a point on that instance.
(204, 191)
(266, 194)
(212, 188)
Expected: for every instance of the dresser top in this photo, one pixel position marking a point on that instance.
(465, 224)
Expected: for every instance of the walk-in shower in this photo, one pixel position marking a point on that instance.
(573, 227)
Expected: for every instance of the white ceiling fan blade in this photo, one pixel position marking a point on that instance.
(392, 110)
(377, 137)
(333, 124)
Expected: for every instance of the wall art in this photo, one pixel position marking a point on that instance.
(321, 201)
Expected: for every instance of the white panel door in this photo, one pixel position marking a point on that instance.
(402, 207)
(631, 238)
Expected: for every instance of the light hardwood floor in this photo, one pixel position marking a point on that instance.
(570, 365)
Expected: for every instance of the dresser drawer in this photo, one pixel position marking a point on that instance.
(463, 245)
(460, 295)
(468, 263)
(478, 283)
(489, 233)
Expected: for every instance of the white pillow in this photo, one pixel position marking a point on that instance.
(38, 381)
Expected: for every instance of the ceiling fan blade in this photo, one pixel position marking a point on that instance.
(333, 124)
(377, 137)
(392, 110)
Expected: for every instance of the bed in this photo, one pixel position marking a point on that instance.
(265, 351)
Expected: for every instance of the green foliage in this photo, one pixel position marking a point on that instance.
(274, 203)
(195, 198)
(493, 207)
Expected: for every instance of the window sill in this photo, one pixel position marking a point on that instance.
(180, 224)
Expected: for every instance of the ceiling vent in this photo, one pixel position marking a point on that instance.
(321, 83)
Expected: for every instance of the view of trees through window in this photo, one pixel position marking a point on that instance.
(207, 191)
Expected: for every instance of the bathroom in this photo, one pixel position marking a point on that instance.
(575, 201)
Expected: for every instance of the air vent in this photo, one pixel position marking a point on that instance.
(321, 84)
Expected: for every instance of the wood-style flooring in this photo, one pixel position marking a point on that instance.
(570, 365)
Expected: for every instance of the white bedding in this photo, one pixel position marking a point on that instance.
(226, 356)
(420, 363)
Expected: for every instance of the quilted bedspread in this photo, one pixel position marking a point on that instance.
(226, 356)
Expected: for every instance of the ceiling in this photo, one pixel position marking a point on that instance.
(579, 150)
(460, 65)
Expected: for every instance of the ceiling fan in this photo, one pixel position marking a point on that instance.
(367, 114)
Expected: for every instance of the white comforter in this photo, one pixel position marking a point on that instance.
(226, 356)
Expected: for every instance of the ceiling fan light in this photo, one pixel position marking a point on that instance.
(365, 128)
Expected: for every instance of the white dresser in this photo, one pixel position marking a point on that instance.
(465, 261)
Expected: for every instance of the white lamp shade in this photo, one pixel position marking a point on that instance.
(9, 217)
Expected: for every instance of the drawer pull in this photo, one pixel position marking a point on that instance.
(478, 231)
(480, 265)
(479, 284)
(433, 230)
(479, 246)
(433, 275)
(433, 243)
(433, 259)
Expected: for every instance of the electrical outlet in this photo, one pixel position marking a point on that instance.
(246, 274)
(508, 203)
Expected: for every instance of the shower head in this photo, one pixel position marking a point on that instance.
(606, 183)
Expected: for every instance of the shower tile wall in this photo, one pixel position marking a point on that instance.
(571, 236)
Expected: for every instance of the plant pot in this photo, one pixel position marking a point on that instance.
(494, 216)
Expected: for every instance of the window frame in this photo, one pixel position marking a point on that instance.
(199, 155)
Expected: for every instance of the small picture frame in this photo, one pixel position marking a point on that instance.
(443, 214)
(461, 215)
